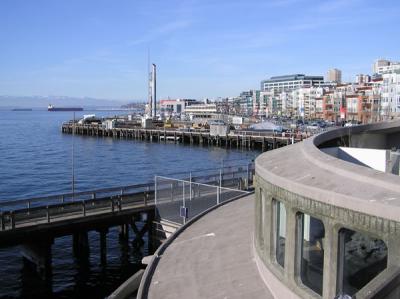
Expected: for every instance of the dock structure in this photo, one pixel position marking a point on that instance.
(237, 139)
(35, 223)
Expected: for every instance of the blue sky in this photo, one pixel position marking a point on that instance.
(203, 48)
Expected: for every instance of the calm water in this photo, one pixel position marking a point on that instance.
(35, 159)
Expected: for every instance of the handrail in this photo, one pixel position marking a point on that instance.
(75, 196)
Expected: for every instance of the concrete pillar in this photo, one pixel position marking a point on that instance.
(330, 245)
(80, 242)
(103, 245)
(39, 255)
(124, 231)
(291, 268)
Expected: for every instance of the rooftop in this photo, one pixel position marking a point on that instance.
(293, 78)
(304, 169)
(212, 258)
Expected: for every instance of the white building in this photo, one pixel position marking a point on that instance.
(362, 79)
(175, 106)
(305, 101)
(291, 82)
(390, 95)
(201, 110)
(383, 66)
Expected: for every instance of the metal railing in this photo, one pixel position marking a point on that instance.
(47, 209)
(178, 201)
(76, 208)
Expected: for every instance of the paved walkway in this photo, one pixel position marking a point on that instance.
(213, 258)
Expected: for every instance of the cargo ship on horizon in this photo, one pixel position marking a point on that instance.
(52, 108)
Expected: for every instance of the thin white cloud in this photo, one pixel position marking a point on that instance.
(334, 5)
(160, 31)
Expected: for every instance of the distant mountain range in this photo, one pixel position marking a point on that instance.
(39, 102)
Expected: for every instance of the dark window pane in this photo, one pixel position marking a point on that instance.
(280, 233)
(361, 258)
(312, 252)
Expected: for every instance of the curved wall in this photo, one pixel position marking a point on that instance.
(339, 230)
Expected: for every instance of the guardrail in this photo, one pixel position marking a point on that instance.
(109, 200)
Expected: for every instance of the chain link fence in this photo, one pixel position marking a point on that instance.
(178, 201)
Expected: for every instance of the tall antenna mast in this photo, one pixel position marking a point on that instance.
(149, 89)
(73, 158)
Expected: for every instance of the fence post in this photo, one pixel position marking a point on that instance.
(48, 214)
(94, 195)
(84, 208)
(183, 198)
(190, 186)
(2, 221)
(12, 219)
(155, 190)
(218, 194)
(29, 206)
(220, 178)
(248, 176)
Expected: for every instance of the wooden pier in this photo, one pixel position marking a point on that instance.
(237, 139)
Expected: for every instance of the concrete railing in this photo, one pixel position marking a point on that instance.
(326, 227)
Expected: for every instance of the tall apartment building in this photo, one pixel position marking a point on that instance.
(291, 82)
(334, 75)
(306, 99)
(383, 66)
(390, 95)
(362, 79)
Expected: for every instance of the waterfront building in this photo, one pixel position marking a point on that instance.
(201, 110)
(306, 99)
(327, 215)
(383, 66)
(175, 106)
(262, 104)
(334, 75)
(291, 82)
(361, 78)
(289, 105)
(323, 223)
(390, 94)
(271, 102)
(256, 102)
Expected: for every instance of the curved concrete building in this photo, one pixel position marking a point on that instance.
(327, 225)
(327, 215)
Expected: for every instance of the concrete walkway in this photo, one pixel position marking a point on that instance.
(213, 258)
